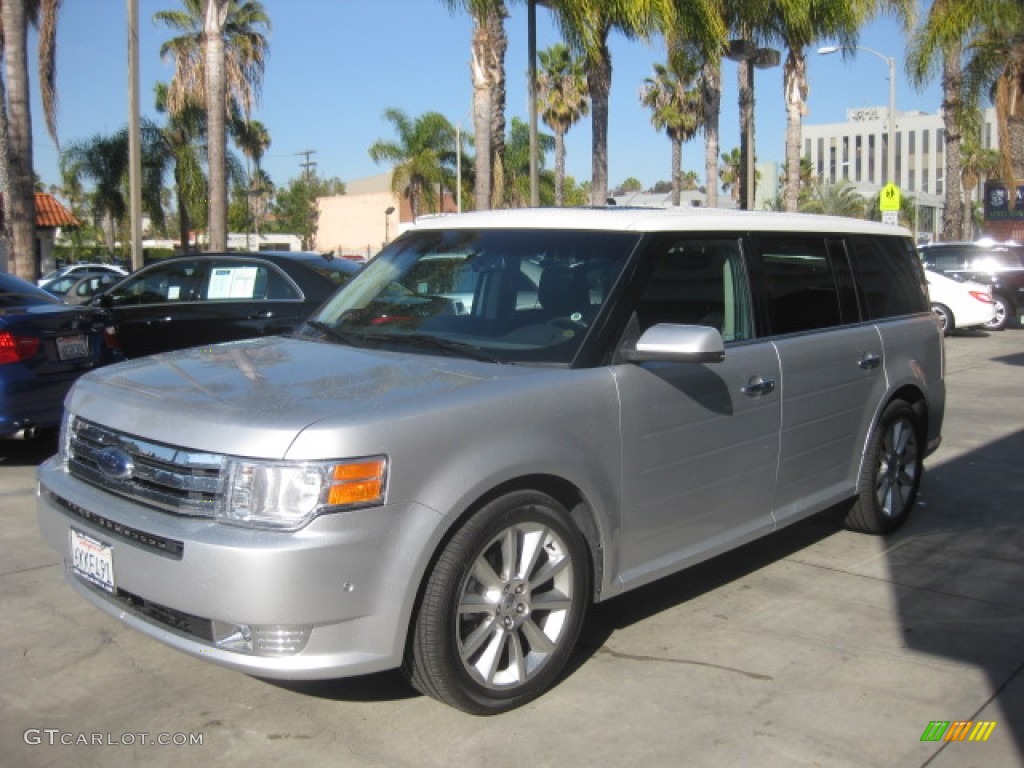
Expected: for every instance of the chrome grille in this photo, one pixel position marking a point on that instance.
(174, 479)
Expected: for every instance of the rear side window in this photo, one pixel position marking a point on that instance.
(800, 280)
(946, 257)
(234, 280)
(890, 282)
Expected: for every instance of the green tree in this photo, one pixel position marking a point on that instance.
(253, 139)
(675, 106)
(219, 57)
(840, 199)
(184, 135)
(103, 160)
(977, 163)
(939, 43)
(586, 25)
(17, 179)
(562, 93)
(701, 29)
(630, 185)
(730, 173)
(517, 166)
(422, 156)
(295, 206)
(995, 66)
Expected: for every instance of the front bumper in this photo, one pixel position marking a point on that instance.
(348, 579)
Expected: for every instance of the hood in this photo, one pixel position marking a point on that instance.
(253, 397)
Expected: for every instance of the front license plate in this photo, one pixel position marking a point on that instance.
(92, 560)
(72, 347)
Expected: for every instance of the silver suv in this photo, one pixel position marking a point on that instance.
(444, 483)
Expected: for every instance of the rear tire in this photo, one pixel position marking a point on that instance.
(1003, 315)
(946, 322)
(891, 473)
(502, 609)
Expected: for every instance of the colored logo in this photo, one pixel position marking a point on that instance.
(958, 730)
(114, 463)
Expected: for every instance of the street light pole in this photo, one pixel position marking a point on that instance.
(891, 62)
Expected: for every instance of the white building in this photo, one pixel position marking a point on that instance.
(858, 150)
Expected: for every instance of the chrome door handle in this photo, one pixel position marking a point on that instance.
(758, 387)
(159, 320)
(264, 315)
(870, 361)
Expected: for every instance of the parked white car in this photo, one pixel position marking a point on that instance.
(959, 304)
(83, 269)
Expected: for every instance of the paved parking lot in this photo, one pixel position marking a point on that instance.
(815, 647)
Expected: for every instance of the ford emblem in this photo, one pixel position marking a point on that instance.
(115, 463)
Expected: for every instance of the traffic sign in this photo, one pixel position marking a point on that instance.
(889, 200)
(891, 217)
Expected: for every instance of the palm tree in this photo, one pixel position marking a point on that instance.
(218, 59)
(253, 139)
(977, 163)
(840, 199)
(730, 173)
(586, 25)
(940, 38)
(183, 137)
(17, 179)
(422, 156)
(104, 161)
(675, 108)
(517, 166)
(487, 68)
(796, 26)
(562, 93)
(996, 66)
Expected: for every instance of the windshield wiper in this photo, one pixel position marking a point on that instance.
(448, 345)
(345, 337)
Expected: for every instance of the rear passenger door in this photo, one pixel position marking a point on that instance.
(832, 371)
(700, 441)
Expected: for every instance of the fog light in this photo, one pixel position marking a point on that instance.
(261, 639)
(279, 640)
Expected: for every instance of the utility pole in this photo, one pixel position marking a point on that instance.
(308, 165)
(134, 137)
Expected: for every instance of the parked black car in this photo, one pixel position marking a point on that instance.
(189, 301)
(1000, 265)
(45, 345)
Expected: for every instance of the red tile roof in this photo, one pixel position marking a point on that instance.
(50, 213)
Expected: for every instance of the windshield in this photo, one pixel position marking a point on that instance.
(501, 295)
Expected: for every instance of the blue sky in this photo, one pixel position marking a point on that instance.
(336, 65)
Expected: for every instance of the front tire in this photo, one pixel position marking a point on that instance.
(891, 472)
(502, 608)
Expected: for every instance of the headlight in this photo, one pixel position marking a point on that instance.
(288, 494)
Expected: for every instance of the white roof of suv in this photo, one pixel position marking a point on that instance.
(655, 220)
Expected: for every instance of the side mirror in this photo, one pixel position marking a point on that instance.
(678, 343)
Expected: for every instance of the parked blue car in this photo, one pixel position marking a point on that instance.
(45, 345)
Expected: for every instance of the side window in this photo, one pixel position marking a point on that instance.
(949, 258)
(698, 282)
(160, 284)
(240, 280)
(801, 283)
(890, 282)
